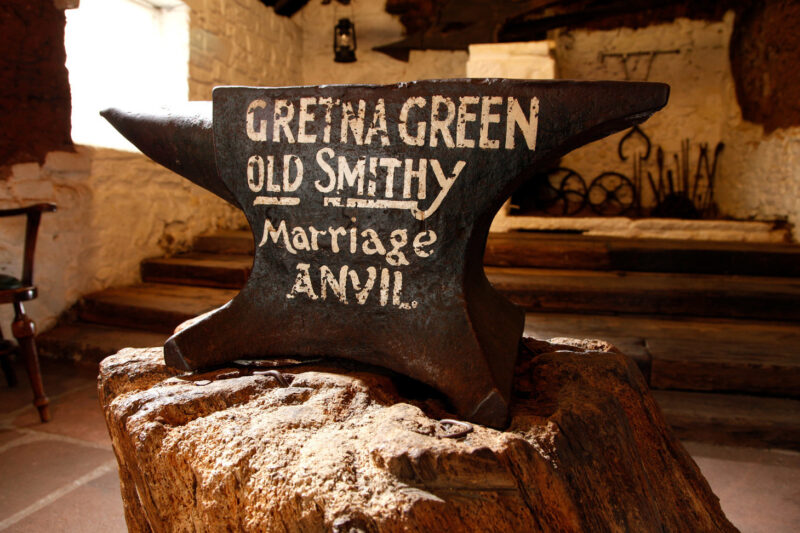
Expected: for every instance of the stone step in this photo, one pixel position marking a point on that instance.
(732, 419)
(565, 251)
(91, 343)
(720, 355)
(151, 306)
(705, 295)
(202, 269)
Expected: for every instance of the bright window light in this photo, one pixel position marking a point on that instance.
(128, 54)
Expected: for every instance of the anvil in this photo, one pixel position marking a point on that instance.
(370, 207)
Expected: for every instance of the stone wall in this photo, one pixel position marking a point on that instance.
(241, 42)
(691, 56)
(115, 208)
(758, 175)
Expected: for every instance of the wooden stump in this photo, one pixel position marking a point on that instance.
(587, 450)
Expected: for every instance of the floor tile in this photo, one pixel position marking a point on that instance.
(75, 414)
(759, 490)
(58, 377)
(7, 435)
(31, 471)
(95, 506)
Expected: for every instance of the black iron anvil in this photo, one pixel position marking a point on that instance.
(370, 207)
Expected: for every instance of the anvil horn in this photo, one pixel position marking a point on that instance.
(179, 137)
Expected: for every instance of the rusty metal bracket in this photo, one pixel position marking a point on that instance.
(370, 207)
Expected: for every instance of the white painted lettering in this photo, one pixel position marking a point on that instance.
(338, 287)
(300, 239)
(334, 233)
(464, 116)
(423, 239)
(255, 173)
(271, 187)
(254, 134)
(442, 125)
(390, 163)
(291, 186)
(487, 119)
(528, 126)
(326, 131)
(305, 118)
(398, 239)
(276, 235)
(281, 117)
(378, 126)
(327, 169)
(402, 126)
(353, 122)
(373, 244)
(352, 177)
(419, 175)
(363, 293)
(302, 283)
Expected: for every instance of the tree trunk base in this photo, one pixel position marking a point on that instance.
(342, 449)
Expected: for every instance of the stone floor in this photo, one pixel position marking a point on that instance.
(61, 476)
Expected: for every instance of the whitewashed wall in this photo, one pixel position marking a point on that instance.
(241, 42)
(758, 176)
(115, 208)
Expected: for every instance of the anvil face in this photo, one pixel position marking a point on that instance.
(370, 207)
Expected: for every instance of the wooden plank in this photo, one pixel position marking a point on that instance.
(745, 366)
(547, 250)
(692, 354)
(226, 242)
(771, 335)
(732, 419)
(91, 342)
(207, 270)
(151, 306)
(649, 293)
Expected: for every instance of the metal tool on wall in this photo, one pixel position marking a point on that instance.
(676, 192)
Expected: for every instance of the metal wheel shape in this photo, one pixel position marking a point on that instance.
(569, 190)
(611, 194)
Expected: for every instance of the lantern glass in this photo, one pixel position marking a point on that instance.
(344, 41)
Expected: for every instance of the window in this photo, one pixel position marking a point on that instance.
(128, 54)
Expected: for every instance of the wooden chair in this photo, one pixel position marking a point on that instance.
(15, 291)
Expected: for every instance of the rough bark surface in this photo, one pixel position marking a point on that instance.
(343, 449)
